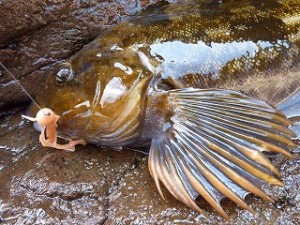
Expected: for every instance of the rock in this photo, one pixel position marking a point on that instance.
(37, 34)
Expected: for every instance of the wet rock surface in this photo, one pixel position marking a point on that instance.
(96, 185)
(37, 34)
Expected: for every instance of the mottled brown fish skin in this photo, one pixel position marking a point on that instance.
(248, 46)
(130, 86)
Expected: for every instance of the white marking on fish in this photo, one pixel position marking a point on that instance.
(113, 91)
(126, 69)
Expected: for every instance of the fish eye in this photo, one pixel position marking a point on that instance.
(64, 75)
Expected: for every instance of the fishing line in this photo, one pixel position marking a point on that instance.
(15, 79)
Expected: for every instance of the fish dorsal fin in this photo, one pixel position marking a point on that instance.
(212, 146)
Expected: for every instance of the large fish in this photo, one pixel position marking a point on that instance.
(196, 80)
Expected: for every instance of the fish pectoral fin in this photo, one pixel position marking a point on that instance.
(291, 109)
(213, 147)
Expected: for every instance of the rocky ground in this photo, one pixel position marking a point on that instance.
(92, 185)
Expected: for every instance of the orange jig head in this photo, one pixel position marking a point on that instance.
(47, 120)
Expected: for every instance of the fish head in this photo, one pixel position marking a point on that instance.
(96, 95)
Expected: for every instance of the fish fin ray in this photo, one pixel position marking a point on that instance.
(291, 108)
(265, 138)
(216, 157)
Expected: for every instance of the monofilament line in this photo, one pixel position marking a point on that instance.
(15, 79)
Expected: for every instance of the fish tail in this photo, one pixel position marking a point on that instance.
(212, 145)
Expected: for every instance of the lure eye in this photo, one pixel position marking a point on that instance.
(64, 75)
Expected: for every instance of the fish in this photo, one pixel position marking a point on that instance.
(200, 82)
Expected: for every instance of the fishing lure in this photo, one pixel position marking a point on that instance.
(192, 80)
(47, 120)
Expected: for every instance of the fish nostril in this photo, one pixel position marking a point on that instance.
(64, 75)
